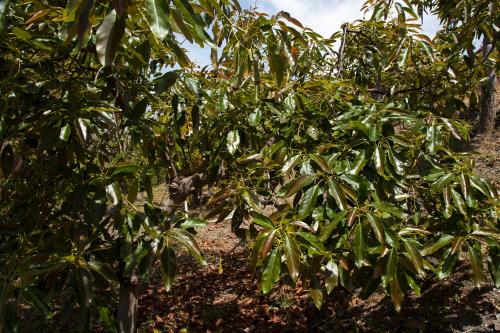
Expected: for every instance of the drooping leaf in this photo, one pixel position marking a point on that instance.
(168, 267)
(299, 184)
(108, 37)
(157, 13)
(268, 243)
(308, 202)
(233, 141)
(411, 247)
(193, 223)
(189, 243)
(7, 160)
(434, 246)
(37, 299)
(292, 255)
(396, 294)
(476, 262)
(271, 271)
(316, 292)
(262, 220)
(377, 227)
(359, 245)
(336, 191)
(331, 276)
(103, 269)
(311, 240)
(4, 6)
(136, 257)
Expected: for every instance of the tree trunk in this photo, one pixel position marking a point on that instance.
(487, 116)
(127, 307)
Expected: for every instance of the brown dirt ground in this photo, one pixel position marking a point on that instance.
(207, 299)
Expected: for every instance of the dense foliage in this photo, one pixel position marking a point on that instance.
(333, 158)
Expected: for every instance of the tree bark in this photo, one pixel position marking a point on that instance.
(487, 116)
(127, 307)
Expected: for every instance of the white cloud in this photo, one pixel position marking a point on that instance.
(323, 16)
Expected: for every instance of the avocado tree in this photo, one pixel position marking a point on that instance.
(98, 105)
(335, 164)
(345, 169)
(471, 29)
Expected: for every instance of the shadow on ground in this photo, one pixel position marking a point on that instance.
(209, 300)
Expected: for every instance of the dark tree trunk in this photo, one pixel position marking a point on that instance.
(487, 116)
(127, 307)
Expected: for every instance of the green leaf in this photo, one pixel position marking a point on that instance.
(476, 262)
(328, 228)
(36, 298)
(262, 220)
(359, 245)
(359, 163)
(391, 266)
(434, 246)
(107, 319)
(4, 6)
(135, 258)
(271, 271)
(158, 13)
(321, 162)
(7, 159)
(298, 184)
(396, 294)
(445, 268)
(108, 37)
(459, 202)
(292, 255)
(179, 53)
(193, 223)
(411, 247)
(396, 163)
(84, 287)
(389, 208)
(290, 163)
(378, 158)
(168, 267)
(124, 167)
(312, 240)
(189, 243)
(377, 227)
(255, 117)
(257, 250)
(233, 141)
(103, 269)
(65, 132)
(331, 276)
(268, 243)
(336, 191)
(308, 202)
(480, 185)
(413, 284)
(316, 292)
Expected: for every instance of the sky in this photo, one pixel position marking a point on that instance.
(322, 16)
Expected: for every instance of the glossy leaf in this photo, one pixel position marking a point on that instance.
(271, 270)
(108, 37)
(292, 255)
(168, 267)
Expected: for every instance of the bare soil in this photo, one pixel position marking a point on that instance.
(223, 297)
